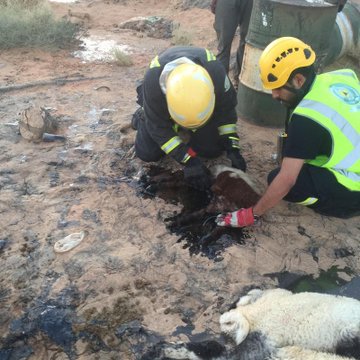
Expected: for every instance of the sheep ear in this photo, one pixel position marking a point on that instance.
(244, 300)
(250, 298)
(243, 329)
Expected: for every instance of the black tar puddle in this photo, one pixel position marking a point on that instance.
(55, 324)
(329, 281)
(194, 225)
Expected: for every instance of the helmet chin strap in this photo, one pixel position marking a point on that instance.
(300, 93)
(291, 89)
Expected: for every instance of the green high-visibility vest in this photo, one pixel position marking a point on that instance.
(334, 103)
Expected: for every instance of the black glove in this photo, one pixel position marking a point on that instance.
(197, 175)
(237, 161)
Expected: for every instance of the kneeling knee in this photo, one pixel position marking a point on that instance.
(147, 156)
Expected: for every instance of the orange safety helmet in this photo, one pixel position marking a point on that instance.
(280, 58)
(190, 95)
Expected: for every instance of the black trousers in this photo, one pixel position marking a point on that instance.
(230, 14)
(333, 198)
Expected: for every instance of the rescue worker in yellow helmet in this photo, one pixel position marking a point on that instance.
(187, 110)
(320, 165)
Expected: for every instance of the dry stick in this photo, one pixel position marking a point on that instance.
(58, 82)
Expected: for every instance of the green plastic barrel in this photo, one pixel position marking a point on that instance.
(311, 22)
(345, 38)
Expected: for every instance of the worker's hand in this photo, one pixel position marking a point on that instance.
(197, 174)
(213, 6)
(237, 161)
(237, 219)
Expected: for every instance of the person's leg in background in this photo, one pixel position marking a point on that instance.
(244, 11)
(226, 22)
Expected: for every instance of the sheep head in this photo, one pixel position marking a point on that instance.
(235, 324)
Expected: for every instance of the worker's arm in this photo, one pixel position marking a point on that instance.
(157, 118)
(225, 115)
(276, 191)
(280, 186)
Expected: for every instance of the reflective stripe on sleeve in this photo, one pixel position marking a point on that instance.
(234, 142)
(186, 158)
(176, 128)
(171, 144)
(227, 129)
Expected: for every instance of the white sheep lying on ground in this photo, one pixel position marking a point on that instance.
(312, 321)
(297, 353)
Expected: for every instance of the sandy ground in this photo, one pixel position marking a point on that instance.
(129, 266)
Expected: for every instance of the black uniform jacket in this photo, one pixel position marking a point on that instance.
(157, 117)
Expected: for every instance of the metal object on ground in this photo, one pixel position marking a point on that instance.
(281, 139)
(34, 122)
(51, 137)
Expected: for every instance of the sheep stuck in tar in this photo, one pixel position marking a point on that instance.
(232, 189)
(311, 321)
(235, 187)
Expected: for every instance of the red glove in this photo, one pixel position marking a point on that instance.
(238, 219)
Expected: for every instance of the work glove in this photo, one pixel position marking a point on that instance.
(213, 6)
(237, 161)
(237, 219)
(197, 175)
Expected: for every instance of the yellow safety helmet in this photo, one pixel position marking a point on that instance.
(190, 95)
(280, 58)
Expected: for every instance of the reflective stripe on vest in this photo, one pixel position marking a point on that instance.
(309, 201)
(344, 72)
(227, 129)
(171, 144)
(352, 135)
(334, 103)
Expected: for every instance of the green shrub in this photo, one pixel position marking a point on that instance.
(30, 23)
(181, 37)
(120, 57)
(28, 4)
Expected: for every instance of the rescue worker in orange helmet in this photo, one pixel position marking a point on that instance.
(186, 90)
(320, 165)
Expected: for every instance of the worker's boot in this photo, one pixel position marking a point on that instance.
(137, 116)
